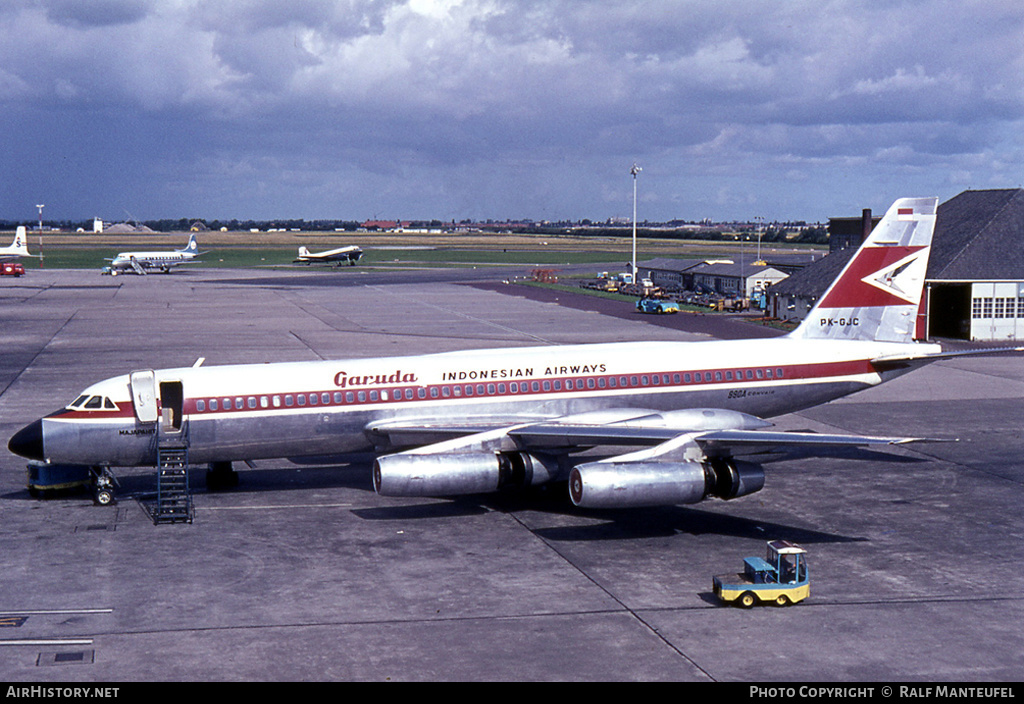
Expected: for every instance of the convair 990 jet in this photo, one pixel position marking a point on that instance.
(144, 262)
(471, 422)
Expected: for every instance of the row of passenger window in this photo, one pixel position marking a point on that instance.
(239, 403)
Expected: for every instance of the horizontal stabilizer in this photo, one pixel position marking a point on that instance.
(913, 360)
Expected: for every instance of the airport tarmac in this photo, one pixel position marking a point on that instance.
(303, 573)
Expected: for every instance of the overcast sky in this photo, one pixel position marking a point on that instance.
(455, 109)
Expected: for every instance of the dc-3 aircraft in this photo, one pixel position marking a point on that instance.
(144, 262)
(18, 248)
(350, 254)
(471, 422)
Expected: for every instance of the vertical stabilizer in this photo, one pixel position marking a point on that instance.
(878, 293)
(20, 244)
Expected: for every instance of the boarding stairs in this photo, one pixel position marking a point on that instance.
(173, 496)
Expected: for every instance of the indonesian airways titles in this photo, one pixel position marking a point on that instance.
(344, 379)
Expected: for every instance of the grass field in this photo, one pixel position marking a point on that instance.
(245, 249)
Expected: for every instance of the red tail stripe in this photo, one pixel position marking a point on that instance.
(850, 291)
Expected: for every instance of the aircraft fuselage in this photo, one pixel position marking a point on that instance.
(248, 412)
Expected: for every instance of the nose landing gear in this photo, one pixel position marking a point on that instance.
(103, 486)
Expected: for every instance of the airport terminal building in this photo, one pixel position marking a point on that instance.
(975, 284)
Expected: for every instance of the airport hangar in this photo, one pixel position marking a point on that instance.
(975, 282)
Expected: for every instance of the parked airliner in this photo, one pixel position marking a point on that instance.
(18, 248)
(350, 254)
(144, 262)
(682, 414)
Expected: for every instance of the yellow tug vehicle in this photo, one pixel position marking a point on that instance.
(780, 578)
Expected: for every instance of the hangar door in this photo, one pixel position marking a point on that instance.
(949, 311)
(997, 311)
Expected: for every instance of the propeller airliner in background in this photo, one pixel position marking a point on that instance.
(144, 262)
(350, 254)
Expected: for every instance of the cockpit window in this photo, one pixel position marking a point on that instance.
(93, 403)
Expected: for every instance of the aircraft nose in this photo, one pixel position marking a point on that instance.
(28, 442)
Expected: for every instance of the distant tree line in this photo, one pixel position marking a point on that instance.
(674, 230)
(805, 234)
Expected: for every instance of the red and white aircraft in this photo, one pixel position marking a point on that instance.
(475, 421)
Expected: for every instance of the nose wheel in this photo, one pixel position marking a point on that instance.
(103, 486)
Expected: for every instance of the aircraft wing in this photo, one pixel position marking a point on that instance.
(715, 443)
(425, 431)
(717, 432)
(731, 443)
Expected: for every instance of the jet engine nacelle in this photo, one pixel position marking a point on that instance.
(456, 474)
(633, 484)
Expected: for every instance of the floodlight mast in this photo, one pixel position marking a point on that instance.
(760, 231)
(634, 170)
(40, 206)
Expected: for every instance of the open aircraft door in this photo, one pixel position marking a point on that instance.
(144, 398)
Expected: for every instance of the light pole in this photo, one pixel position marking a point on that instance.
(40, 206)
(760, 229)
(634, 170)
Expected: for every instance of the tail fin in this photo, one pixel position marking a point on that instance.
(20, 244)
(303, 252)
(191, 247)
(878, 293)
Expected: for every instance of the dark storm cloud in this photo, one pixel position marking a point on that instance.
(94, 13)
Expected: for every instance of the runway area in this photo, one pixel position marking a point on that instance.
(303, 573)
